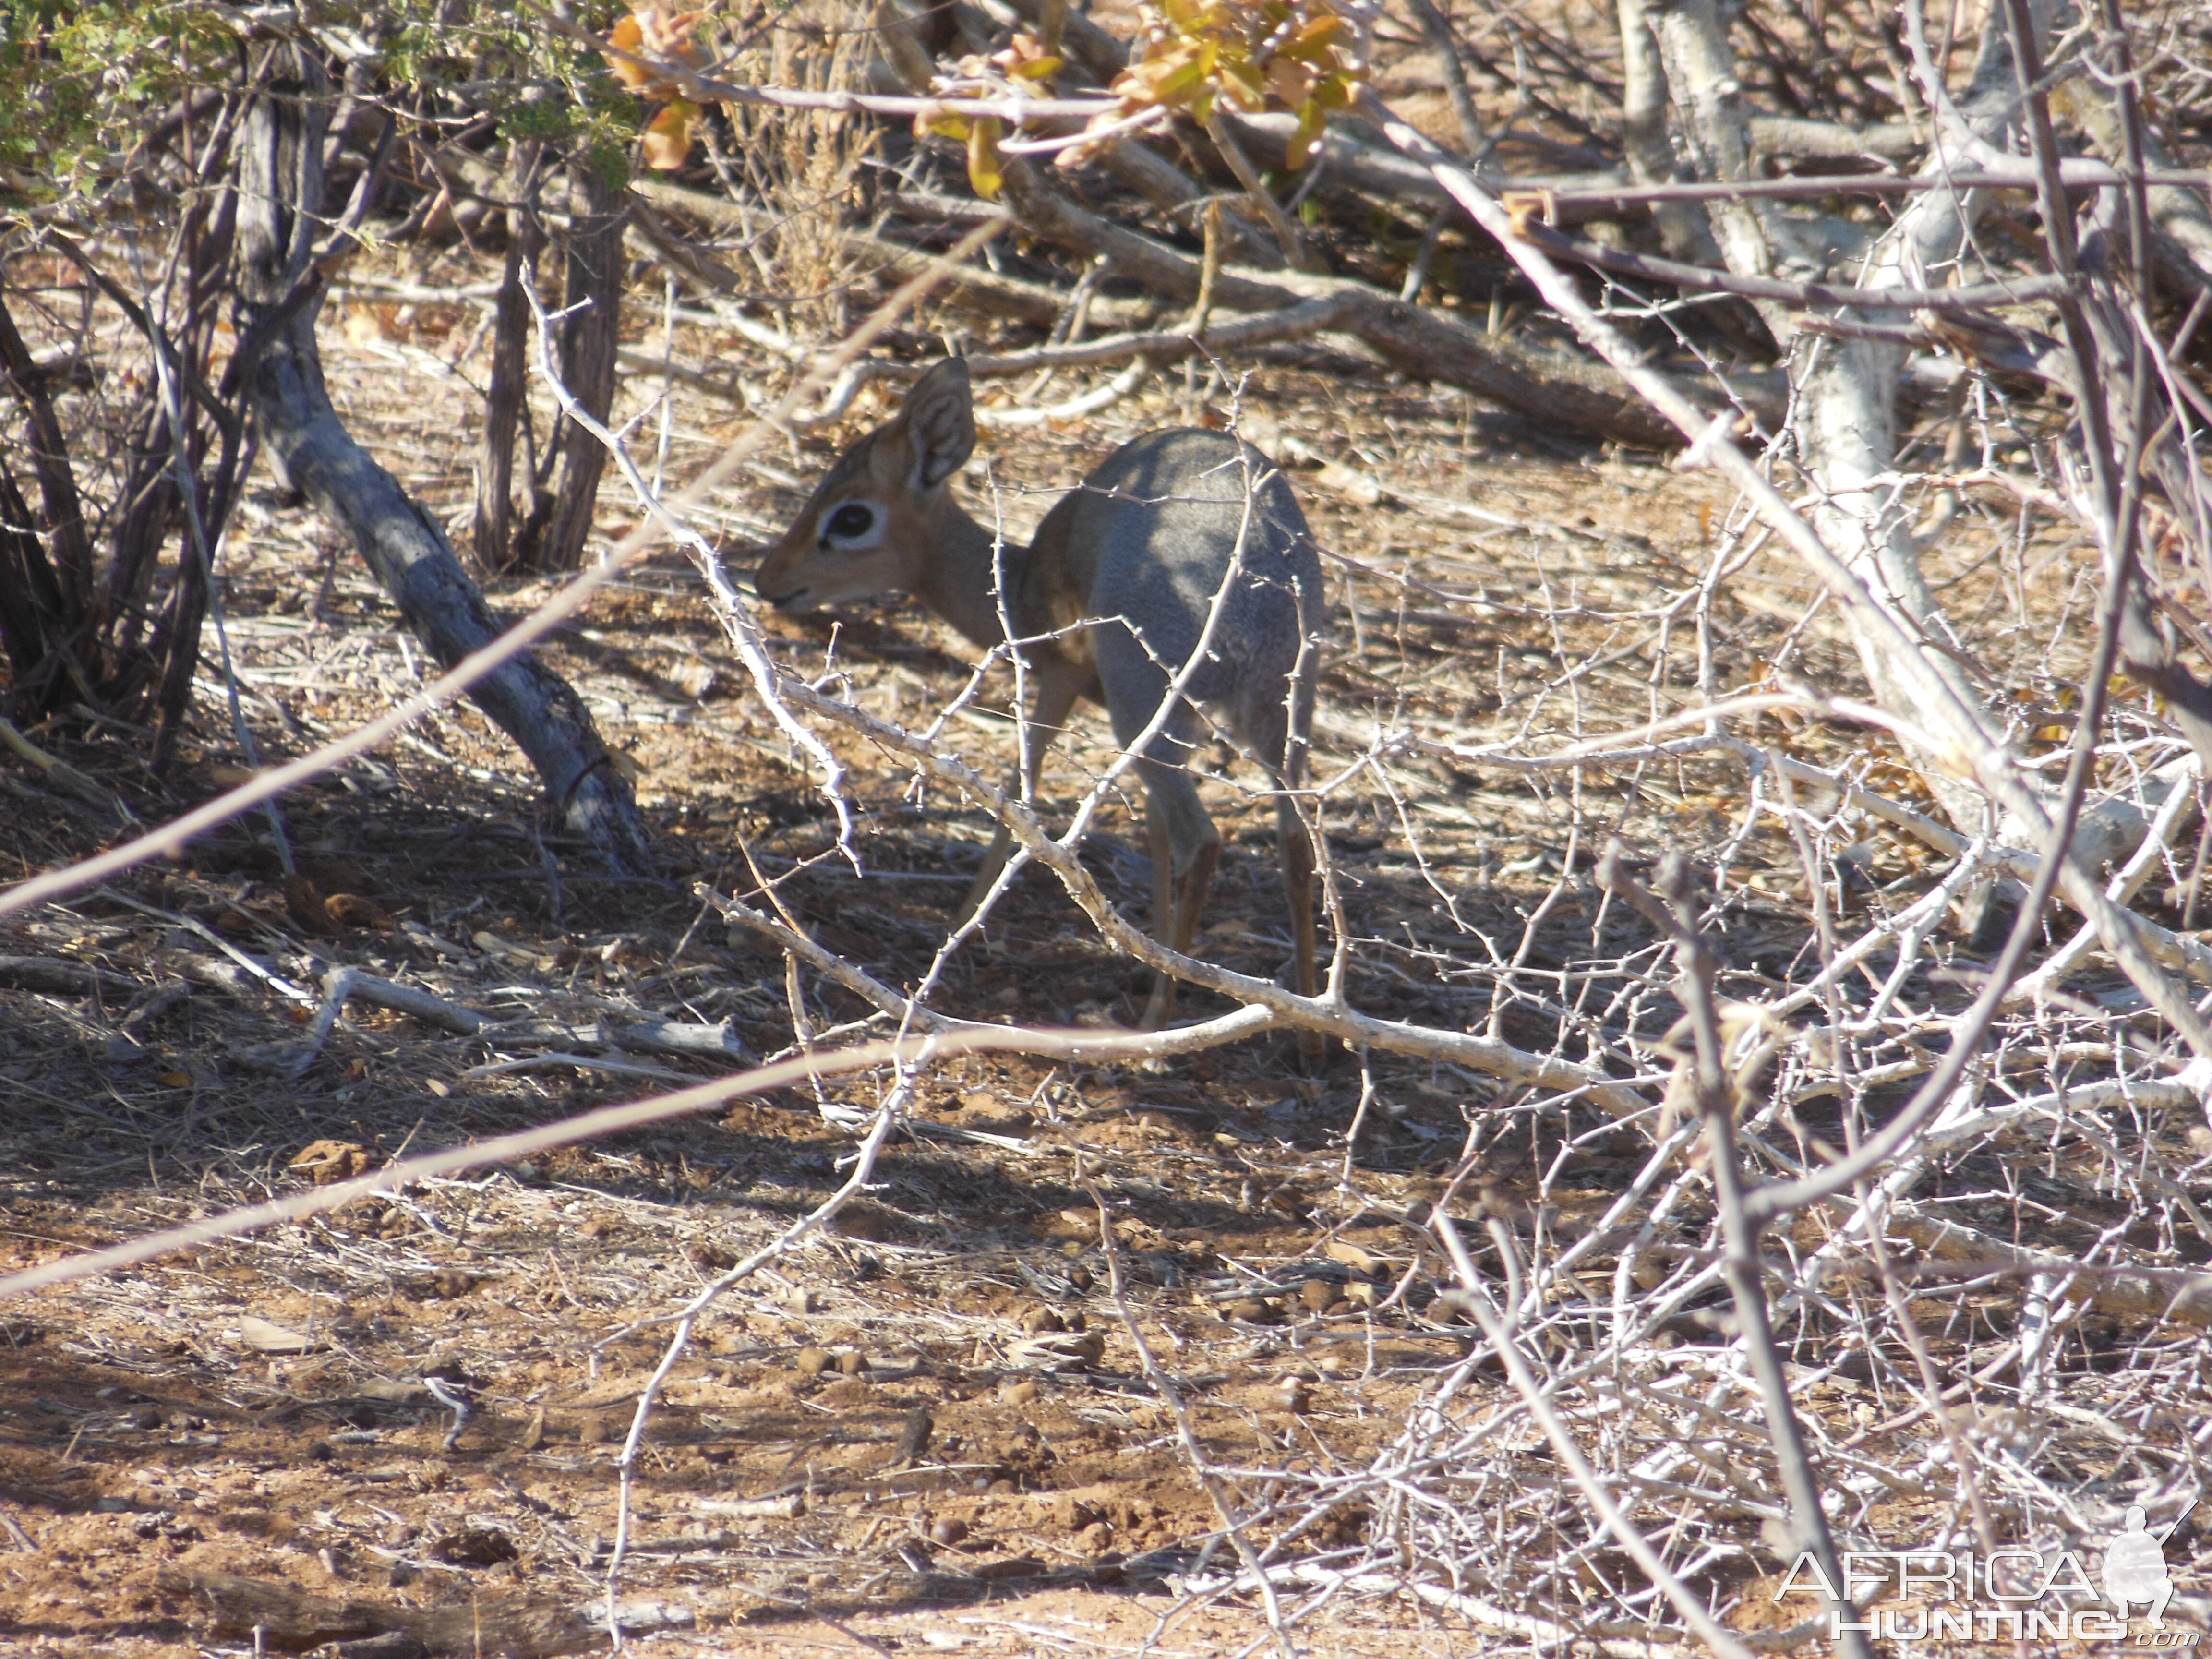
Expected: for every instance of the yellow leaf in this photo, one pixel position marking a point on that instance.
(987, 170)
(1311, 43)
(174, 1081)
(1241, 84)
(629, 35)
(1291, 83)
(1038, 69)
(668, 137)
(1300, 147)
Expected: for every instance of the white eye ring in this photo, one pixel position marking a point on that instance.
(852, 525)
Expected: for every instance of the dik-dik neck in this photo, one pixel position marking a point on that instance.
(967, 571)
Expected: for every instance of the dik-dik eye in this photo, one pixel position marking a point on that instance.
(849, 523)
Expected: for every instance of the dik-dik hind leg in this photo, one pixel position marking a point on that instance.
(1278, 729)
(1186, 849)
(1056, 698)
(1295, 848)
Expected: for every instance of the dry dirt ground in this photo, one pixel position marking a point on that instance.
(979, 1466)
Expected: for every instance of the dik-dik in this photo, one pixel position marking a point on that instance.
(1179, 538)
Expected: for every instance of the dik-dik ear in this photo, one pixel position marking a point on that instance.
(940, 424)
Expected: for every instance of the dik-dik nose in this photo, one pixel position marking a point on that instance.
(777, 583)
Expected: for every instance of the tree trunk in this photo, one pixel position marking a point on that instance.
(1682, 229)
(506, 399)
(1847, 421)
(587, 336)
(50, 466)
(35, 622)
(281, 192)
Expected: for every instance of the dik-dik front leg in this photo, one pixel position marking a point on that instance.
(1056, 694)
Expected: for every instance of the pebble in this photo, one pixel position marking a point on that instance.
(1073, 1514)
(812, 1362)
(1254, 1310)
(1023, 1392)
(1318, 1293)
(948, 1529)
(1038, 1320)
(853, 1362)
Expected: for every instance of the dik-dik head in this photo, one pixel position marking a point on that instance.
(872, 522)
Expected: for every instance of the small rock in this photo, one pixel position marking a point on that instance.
(1072, 1514)
(474, 1546)
(1254, 1310)
(948, 1529)
(1096, 1539)
(914, 1438)
(324, 1161)
(391, 1644)
(1318, 1293)
(853, 1362)
(709, 1256)
(812, 1362)
(1038, 1320)
(1023, 1392)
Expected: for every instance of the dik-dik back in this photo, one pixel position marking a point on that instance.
(1151, 537)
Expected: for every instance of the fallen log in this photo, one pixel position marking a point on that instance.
(1562, 393)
